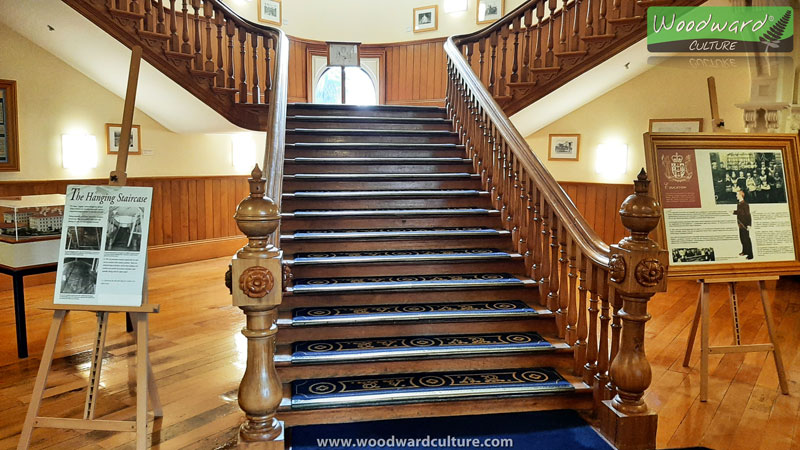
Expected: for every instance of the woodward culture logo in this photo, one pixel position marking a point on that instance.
(719, 29)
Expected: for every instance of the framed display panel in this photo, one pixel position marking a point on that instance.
(563, 147)
(270, 11)
(113, 132)
(426, 18)
(9, 129)
(731, 205)
(343, 54)
(694, 125)
(489, 11)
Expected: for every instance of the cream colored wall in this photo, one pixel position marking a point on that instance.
(55, 99)
(366, 21)
(675, 89)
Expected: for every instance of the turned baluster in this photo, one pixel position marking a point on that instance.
(515, 64)
(576, 26)
(268, 44)
(548, 59)
(134, 6)
(502, 185)
(502, 82)
(537, 60)
(563, 18)
(230, 31)
(173, 28)
(147, 22)
(589, 30)
(535, 234)
(242, 65)
(256, 89)
(596, 285)
(617, 8)
(553, 295)
(516, 201)
(601, 377)
(198, 42)
(493, 58)
(601, 17)
(185, 46)
(160, 27)
(544, 263)
(525, 215)
(220, 78)
(637, 270)
(583, 264)
(468, 53)
(616, 329)
(208, 11)
(481, 50)
(526, 52)
(572, 309)
(563, 286)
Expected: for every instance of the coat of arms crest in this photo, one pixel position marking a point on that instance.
(676, 167)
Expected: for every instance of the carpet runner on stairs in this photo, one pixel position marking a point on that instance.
(405, 282)
(407, 233)
(407, 256)
(434, 386)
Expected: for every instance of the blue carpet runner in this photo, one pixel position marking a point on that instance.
(394, 233)
(419, 387)
(389, 256)
(404, 282)
(374, 349)
(544, 430)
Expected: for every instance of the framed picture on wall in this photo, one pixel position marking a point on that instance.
(9, 130)
(269, 11)
(113, 132)
(564, 147)
(694, 125)
(426, 18)
(490, 10)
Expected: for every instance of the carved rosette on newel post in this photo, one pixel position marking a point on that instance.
(255, 283)
(638, 269)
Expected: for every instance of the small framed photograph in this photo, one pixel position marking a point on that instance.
(694, 125)
(343, 54)
(490, 10)
(269, 11)
(9, 135)
(564, 147)
(113, 132)
(426, 18)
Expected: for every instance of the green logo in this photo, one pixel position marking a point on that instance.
(735, 29)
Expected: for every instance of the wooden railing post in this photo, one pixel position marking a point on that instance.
(637, 270)
(256, 285)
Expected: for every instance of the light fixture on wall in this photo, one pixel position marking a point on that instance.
(78, 151)
(243, 154)
(612, 159)
(454, 6)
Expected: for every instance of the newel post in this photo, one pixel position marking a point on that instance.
(638, 269)
(255, 282)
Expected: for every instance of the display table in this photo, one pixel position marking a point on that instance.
(17, 275)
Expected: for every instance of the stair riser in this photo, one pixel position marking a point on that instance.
(417, 268)
(315, 185)
(368, 125)
(292, 137)
(502, 242)
(338, 223)
(544, 325)
(291, 168)
(579, 400)
(312, 110)
(292, 204)
(526, 294)
(373, 153)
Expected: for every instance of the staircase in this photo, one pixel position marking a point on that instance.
(406, 288)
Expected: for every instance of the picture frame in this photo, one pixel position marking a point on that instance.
(270, 11)
(113, 130)
(489, 11)
(731, 202)
(692, 125)
(344, 54)
(425, 18)
(563, 147)
(9, 127)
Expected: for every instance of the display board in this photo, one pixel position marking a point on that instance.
(730, 202)
(103, 255)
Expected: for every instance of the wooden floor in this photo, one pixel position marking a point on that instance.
(198, 357)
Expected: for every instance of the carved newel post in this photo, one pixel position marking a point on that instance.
(638, 269)
(256, 288)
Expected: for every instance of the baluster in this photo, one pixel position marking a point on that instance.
(589, 31)
(563, 297)
(616, 329)
(583, 286)
(562, 29)
(548, 59)
(147, 22)
(469, 51)
(596, 283)
(185, 46)
(535, 234)
(576, 26)
(230, 31)
(502, 184)
(502, 83)
(134, 6)
(493, 58)
(242, 66)
(528, 224)
(525, 214)
(526, 53)
(572, 309)
(601, 19)
(552, 296)
(519, 201)
(173, 28)
(208, 11)
(481, 49)
(601, 377)
(198, 42)
(537, 61)
(256, 83)
(219, 21)
(160, 27)
(544, 262)
(515, 65)
(268, 44)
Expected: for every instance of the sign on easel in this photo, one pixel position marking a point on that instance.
(103, 255)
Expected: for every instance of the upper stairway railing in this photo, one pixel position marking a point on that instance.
(598, 292)
(542, 44)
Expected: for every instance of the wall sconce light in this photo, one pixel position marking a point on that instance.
(243, 153)
(78, 151)
(453, 6)
(612, 159)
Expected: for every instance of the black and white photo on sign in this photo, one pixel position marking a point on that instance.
(564, 146)
(760, 175)
(79, 275)
(686, 255)
(425, 18)
(489, 10)
(270, 11)
(84, 238)
(114, 134)
(124, 230)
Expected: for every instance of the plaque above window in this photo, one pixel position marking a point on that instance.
(343, 54)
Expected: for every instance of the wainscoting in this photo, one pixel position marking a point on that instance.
(599, 204)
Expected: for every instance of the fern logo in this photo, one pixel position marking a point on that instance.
(730, 29)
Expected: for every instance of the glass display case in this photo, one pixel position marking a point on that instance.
(31, 217)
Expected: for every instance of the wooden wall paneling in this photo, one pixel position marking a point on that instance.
(166, 211)
(208, 218)
(192, 209)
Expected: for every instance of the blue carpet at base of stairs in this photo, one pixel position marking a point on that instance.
(543, 430)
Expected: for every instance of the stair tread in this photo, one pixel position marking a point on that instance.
(412, 120)
(390, 212)
(322, 106)
(379, 176)
(415, 347)
(376, 145)
(406, 282)
(393, 233)
(364, 314)
(311, 160)
(434, 386)
(368, 131)
(399, 256)
(386, 193)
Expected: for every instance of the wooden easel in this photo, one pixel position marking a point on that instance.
(717, 123)
(702, 312)
(145, 384)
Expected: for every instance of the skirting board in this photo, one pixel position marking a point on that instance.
(160, 255)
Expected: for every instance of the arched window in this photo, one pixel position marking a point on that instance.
(359, 87)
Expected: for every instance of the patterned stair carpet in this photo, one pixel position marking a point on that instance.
(407, 233)
(441, 386)
(377, 256)
(417, 347)
(405, 282)
(544, 430)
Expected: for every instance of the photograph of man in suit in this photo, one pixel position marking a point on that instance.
(744, 221)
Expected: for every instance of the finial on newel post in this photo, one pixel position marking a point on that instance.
(637, 270)
(256, 278)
